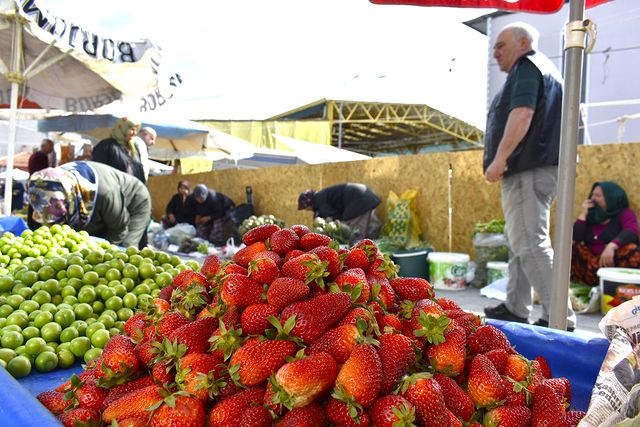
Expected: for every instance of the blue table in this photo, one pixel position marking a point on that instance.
(13, 224)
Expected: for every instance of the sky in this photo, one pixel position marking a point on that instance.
(253, 59)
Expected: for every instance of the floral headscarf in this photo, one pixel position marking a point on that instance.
(120, 133)
(66, 194)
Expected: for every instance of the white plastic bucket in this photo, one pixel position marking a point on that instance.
(448, 270)
(617, 285)
(497, 270)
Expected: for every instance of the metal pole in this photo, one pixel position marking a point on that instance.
(340, 126)
(14, 78)
(567, 176)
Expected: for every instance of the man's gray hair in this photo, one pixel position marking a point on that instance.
(149, 130)
(524, 30)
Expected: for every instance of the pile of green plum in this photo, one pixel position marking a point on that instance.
(63, 295)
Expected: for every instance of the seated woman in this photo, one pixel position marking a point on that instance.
(178, 210)
(605, 234)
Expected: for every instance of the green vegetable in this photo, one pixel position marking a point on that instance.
(495, 226)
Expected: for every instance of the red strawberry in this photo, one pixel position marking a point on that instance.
(411, 288)
(447, 304)
(397, 355)
(270, 255)
(390, 321)
(182, 278)
(339, 414)
(428, 322)
(392, 411)
(283, 241)
(232, 268)
(300, 229)
(165, 293)
(136, 323)
(89, 374)
(195, 335)
(331, 257)
(141, 421)
(292, 254)
(119, 360)
(485, 384)
(545, 369)
(132, 404)
(197, 374)
(517, 367)
(458, 402)
(515, 393)
(263, 270)
(355, 314)
(573, 418)
(194, 278)
(311, 415)
(259, 233)
(228, 412)
(244, 255)
(468, 321)
(181, 411)
(256, 416)
(161, 306)
(382, 266)
(354, 280)
(382, 290)
(258, 361)
(562, 387)
(210, 266)
(488, 338)
(316, 315)
(449, 356)
(54, 401)
(360, 377)
(306, 267)
(254, 319)
(313, 240)
(146, 352)
(425, 394)
(339, 342)
(164, 372)
(508, 416)
(499, 359)
(286, 290)
(241, 291)
(118, 391)
(170, 322)
(82, 416)
(299, 382)
(547, 408)
(357, 258)
(89, 395)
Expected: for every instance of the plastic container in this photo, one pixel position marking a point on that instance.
(448, 270)
(617, 285)
(497, 270)
(412, 263)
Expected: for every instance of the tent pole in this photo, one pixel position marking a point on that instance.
(567, 172)
(15, 78)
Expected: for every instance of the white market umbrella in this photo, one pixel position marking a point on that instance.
(49, 62)
(314, 154)
(17, 175)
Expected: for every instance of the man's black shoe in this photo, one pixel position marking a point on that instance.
(545, 324)
(501, 312)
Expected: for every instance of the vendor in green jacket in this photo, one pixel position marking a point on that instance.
(94, 197)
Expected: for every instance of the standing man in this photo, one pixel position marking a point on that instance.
(146, 138)
(521, 149)
(38, 161)
(352, 203)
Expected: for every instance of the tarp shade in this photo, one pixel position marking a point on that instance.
(538, 6)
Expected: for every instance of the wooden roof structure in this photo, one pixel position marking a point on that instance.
(375, 128)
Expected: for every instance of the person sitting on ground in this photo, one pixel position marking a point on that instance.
(178, 210)
(119, 150)
(211, 214)
(94, 197)
(605, 234)
(352, 203)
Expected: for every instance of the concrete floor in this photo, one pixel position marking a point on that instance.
(471, 300)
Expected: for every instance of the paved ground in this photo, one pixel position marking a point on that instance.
(471, 300)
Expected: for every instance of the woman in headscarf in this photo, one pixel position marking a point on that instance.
(119, 151)
(605, 234)
(94, 197)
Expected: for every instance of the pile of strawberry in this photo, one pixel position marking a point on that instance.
(297, 332)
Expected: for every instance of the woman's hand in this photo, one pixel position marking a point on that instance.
(586, 205)
(606, 258)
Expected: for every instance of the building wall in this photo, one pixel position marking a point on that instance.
(473, 200)
(610, 69)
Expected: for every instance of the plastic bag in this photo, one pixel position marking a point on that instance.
(402, 226)
(179, 232)
(616, 394)
(489, 247)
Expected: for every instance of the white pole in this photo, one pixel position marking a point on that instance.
(15, 79)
